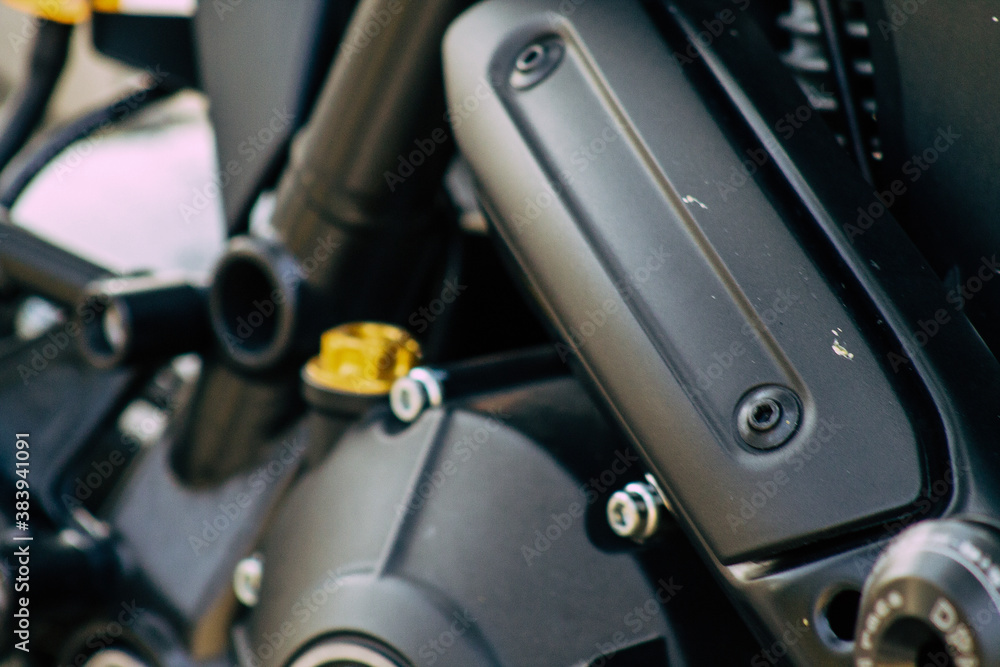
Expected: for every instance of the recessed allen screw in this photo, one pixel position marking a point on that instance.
(768, 416)
(536, 61)
(636, 512)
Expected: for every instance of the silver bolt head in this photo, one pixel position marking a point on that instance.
(247, 577)
(407, 399)
(531, 58)
(627, 514)
(636, 512)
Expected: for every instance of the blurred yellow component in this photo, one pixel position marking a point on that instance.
(61, 11)
(149, 7)
(362, 358)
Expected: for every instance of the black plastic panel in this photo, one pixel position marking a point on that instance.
(937, 95)
(605, 181)
(399, 533)
(261, 64)
(161, 45)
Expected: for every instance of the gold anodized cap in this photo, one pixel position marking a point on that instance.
(362, 358)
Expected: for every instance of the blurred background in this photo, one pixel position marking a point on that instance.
(138, 196)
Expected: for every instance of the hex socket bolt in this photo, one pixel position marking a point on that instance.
(428, 387)
(636, 512)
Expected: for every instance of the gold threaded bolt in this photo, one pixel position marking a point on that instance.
(362, 358)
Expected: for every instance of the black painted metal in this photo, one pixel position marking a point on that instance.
(942, 376)
(30, 262)
(24, 110)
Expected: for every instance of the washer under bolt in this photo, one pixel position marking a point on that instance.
(247, 578)
(536, 61)
(636, 512)
(530, 58)
(768, 416)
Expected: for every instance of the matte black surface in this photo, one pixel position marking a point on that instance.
(157, 319)
(260, 65)
(38, 266)
(25, 107)
(959, 374)
(933, 596)
(947, 382)
(677, 295)
(493, 372)
(162, 45)
(185, 541)
(47, 391)
(406, 535)
(937, 97)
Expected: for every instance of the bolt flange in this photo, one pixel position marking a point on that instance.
(247, 577)
(536, 61)
(636, 512)
(768, 416)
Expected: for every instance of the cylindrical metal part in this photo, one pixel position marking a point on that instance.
(636, 512)
(254, 301)
(345, 214)
(232, 420)
(371, 114)
(43, 268)
(143, 318)
(361, 177)
(930, 598)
